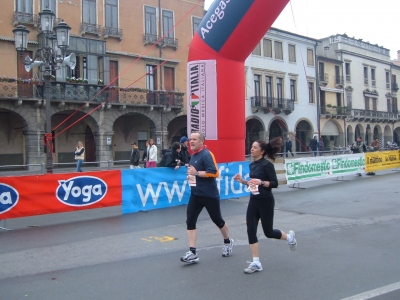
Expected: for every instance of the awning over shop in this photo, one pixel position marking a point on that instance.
(332, 90)
(330, 128)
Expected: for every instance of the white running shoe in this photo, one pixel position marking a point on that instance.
(190, 258)
(293, 243)
(227, 250)
(255, 266)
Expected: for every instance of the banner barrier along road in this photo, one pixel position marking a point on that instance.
(382, 160)
(147, 189)
(26, 196)
(322, 167)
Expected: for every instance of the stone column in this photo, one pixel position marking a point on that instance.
(103, 151)
(34, 148)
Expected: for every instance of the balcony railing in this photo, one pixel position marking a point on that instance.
(268, 103)
(150, 39)
(79, 92)
(112, 32)
(395, 86)
(169, 42)
(24, 18)
(90, 28)
(323, 79)
(373, 116)
(339, 81)
(335, 110)
(348, 78)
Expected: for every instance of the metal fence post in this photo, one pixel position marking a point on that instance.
(42, 168)
(109, 164)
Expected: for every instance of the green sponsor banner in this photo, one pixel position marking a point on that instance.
(321, 167)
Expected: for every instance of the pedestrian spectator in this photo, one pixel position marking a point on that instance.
(79, 156)
(202, 174)
(172, 158)
(135, 157)
(321, 147)
(375, 145)
(288, 147)
(358, 147)
(151, 155)
(261, 205)
(314, 145)
(145, 154)
(184, 150)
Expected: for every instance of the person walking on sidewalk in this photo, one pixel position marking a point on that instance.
(261, 205)
(151, 155)
(135, 157)
(202, 174)
(288, 147)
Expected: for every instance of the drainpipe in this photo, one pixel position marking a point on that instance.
(317, 91)
(160, 85)
(344, 95)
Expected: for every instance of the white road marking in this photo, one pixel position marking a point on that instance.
(376, 292)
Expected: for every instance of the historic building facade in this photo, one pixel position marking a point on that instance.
(281, 97)
(128, 85)
(368, 107)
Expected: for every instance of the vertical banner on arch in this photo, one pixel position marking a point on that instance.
(202, 108)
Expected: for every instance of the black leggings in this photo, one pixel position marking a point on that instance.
(195, 207)
(264, 209)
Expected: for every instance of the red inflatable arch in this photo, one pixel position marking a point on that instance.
(224, 39)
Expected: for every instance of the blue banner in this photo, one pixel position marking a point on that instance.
(146, 189)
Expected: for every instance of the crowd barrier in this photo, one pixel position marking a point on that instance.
(134, 190)
(147, 189)
(322, 167)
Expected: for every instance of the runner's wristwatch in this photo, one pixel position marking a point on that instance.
(197, 173)
(262, 183)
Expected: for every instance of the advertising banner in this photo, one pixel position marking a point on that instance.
(25, 196)
(146, 189)
(321, 167)
(382, 160)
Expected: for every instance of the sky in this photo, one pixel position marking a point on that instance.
(372, 21)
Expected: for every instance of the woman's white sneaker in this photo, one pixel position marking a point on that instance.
(255, 266)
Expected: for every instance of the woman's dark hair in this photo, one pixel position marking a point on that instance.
(272, 148)
(176, 146)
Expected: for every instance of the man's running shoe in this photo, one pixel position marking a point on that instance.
(255, 266)
(293, 243)
(190, 258)
(227, 250)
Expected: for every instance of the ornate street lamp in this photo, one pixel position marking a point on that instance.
(48, 58)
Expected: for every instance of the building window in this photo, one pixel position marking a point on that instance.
(311, 92)
(89, 11)
(257, 86)
(150, 20)
(151, 78)
(268, 87)
(24, 6)
(337, 75)
(338, 99)
(394, 105)
(373, 82)
(168, 23)
(374, 104)
(310, 57)
(257, 50)
(348, 74)
(279, 88)
(112, 13)
(195, 24)
(169, 79)
(366, 99)
(365, 75)
(278, 50)
(387, 80)
(292, 53)
(142, 139)
(321, 70)
(267, 48)
(48, 4)
(389, 105)
(349, 99)
(292, 89)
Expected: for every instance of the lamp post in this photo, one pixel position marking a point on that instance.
(49, 57)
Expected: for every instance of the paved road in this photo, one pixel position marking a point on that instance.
(348, 247)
